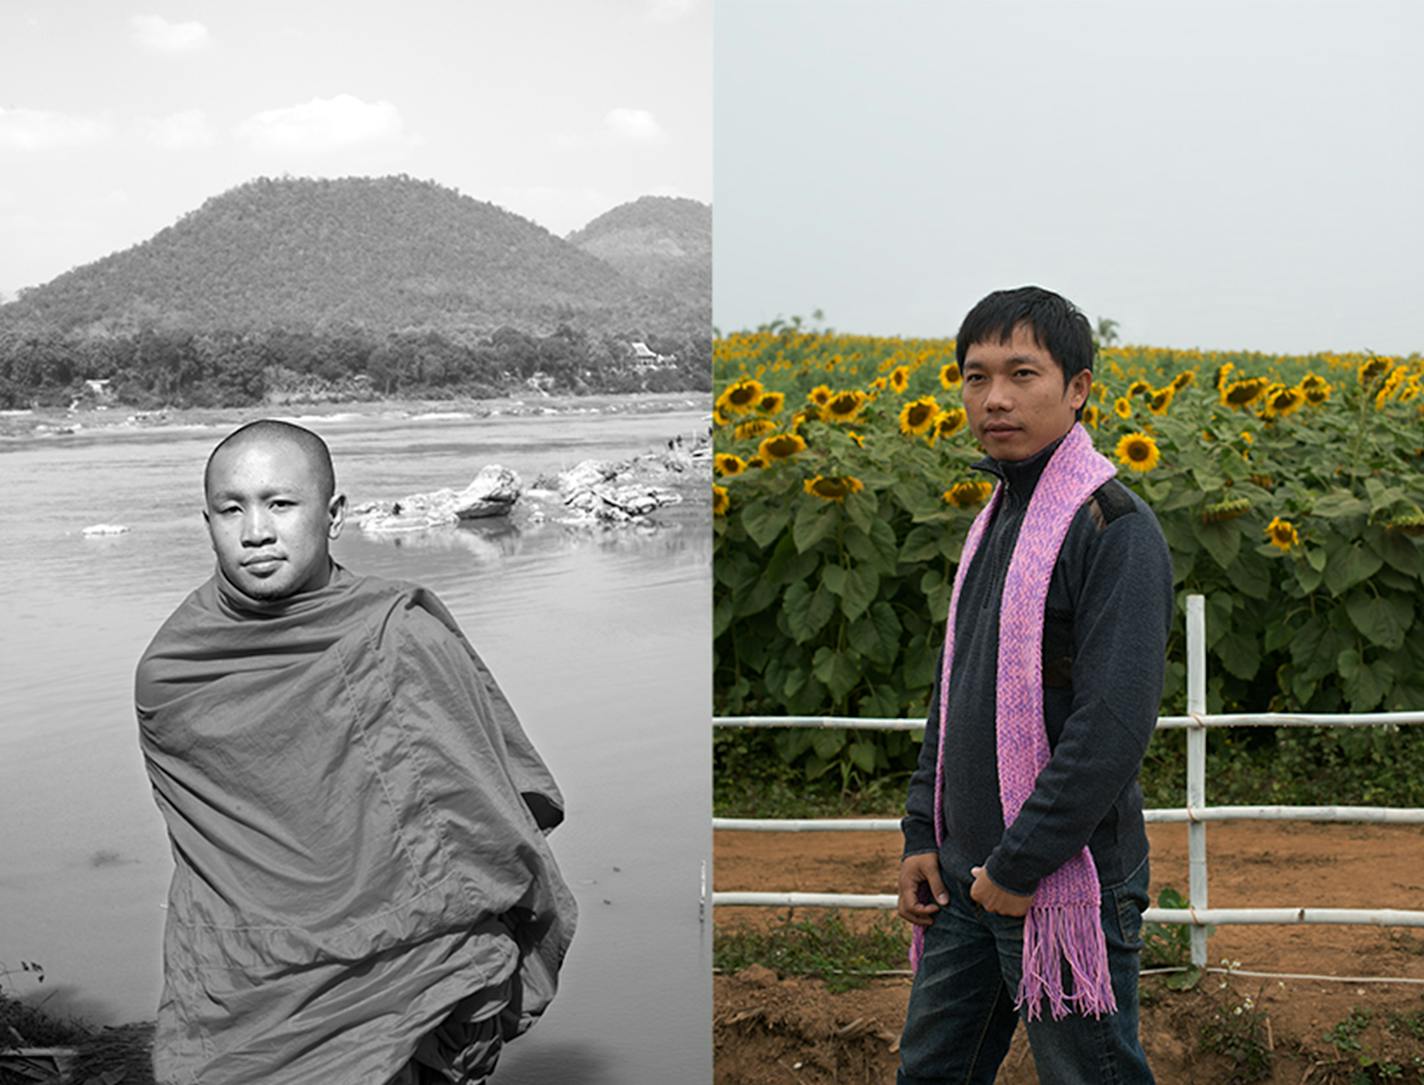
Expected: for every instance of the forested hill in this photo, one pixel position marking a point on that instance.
(372, 253)
(662, 242)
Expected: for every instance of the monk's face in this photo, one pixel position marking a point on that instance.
(270, 518)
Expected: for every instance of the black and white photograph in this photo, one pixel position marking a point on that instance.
(355, 371)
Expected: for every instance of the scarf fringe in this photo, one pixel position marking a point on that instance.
(1071, 934)
(917, 948)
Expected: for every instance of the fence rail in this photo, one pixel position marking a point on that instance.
(1195, 814)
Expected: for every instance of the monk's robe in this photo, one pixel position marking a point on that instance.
(358, 825)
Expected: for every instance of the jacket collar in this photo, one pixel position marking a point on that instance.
(1020, 476)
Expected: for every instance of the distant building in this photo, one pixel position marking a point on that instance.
(99, 389)
(645, 360)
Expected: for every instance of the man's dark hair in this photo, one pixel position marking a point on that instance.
(1054, 321)
(307, 442)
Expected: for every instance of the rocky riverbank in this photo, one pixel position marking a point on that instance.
(59, 424)
(591, 492)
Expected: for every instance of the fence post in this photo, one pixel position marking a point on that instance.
(1196, 769)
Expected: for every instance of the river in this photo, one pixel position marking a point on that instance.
(600, 638)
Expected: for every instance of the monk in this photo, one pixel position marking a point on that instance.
(363, 891)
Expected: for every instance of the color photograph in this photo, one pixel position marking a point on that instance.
(1069, 543)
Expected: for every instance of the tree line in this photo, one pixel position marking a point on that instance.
(155, 367)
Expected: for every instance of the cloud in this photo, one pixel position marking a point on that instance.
(324, 124)
(669, 11)
(633, 126)
(42, 130)
(158, 35)
(188, 130)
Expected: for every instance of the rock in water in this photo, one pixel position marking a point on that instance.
(105, 529)
(492, 493)
(585, 475)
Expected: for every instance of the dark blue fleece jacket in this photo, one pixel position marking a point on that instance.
(1108, 613)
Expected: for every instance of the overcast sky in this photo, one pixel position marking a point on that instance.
(1218, 173)
(117, 118)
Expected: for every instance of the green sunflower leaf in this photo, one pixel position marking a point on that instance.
(1384, 619)
(1349, 566)
(765, 520)
(815, 520)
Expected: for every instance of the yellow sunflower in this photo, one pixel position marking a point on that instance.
(878, 384)
(1161, 399)
(1371, 370)
(1317, 390)
(740, 396)
(1282, 534)
(1222, 372)
(948, 422)
(720, 500)
(1243, 393)
(949, 376)
(1122, 407)
(857, 438)
(1091, 415)
(965, 495)
(1183, 379)
(771, 402)
(900, 378)
(726, 464)
(820, 395)
(834, 487)
(844, 406)
(1138, 451)
(917, 416)
(780, 447)
(1281, 401)
(1391, 382)
(1139, 388)
(757, 427)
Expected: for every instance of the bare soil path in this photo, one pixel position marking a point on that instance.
(765, 1024)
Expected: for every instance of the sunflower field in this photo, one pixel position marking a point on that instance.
(1289, 489)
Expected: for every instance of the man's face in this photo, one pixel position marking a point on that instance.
(1016, 398)
(269, 520)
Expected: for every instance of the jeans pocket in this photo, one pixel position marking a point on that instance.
(1129, 917)
(1126, 902)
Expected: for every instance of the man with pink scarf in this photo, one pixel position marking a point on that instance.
(1025, 867)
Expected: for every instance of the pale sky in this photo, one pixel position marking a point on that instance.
(1233, 174)
(117, 118)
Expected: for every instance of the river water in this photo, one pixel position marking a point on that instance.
(600, 638)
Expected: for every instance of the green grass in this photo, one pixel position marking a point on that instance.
(821, 945)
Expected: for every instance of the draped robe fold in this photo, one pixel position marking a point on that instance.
(358, 830)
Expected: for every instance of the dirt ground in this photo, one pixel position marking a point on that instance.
(769, 1029)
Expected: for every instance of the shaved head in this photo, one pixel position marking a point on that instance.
(271, 508)
(269, 432)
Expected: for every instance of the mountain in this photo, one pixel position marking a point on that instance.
(661, 242)
(382, 254)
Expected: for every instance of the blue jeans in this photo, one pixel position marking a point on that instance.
(961, 1015)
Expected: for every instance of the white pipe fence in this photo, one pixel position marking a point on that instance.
(1198, 915)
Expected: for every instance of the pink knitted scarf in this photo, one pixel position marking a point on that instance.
(1063, 924)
